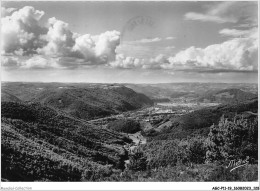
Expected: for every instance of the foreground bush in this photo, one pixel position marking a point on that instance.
(182, 173)
(138, 161)
(164, 153)
(233, 139)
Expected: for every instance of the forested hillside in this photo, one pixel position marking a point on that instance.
(39, 143)
(5, 96)
(84, 101)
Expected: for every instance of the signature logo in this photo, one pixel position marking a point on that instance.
(234, 164)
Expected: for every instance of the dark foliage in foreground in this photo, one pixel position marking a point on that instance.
(138, 161)
(184, 173)
(40, 144)
(188, 159)
(233, 139)
(172, 152)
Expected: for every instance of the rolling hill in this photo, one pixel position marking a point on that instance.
(227, 96)
(89, 103)
(40, 144)
(190, 90)
(86, 101)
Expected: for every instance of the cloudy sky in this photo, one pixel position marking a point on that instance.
(136, 42)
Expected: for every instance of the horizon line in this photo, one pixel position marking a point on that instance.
(129, 82)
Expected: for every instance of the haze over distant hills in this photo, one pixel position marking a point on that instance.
(227, 96)
(196, 91)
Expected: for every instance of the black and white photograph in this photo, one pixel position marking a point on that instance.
(129, 92)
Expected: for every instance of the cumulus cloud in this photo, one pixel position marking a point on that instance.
(7, 11)
(239, 53)
(157, 62)
(224, 12)
(26, 44)
(85, 46)
(9, 62)
(99, 49)
(234, 54)
(59, 37)
(105, 45)
(21, 31)
(22, 35)
(37, 61)
(40, 62)
(96, 49)
(123, 61)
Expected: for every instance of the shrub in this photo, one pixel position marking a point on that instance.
(164, 153)
(196, 150)
(96, 173)
(232, 139)
(221, 173)
(138, 161)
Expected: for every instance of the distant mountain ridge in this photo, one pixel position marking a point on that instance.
(89, 103)
(231, 95)
(191, 91)
(83, 101)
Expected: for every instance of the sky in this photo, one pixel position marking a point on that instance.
(129, 42)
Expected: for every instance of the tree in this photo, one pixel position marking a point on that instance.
(138, 161)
